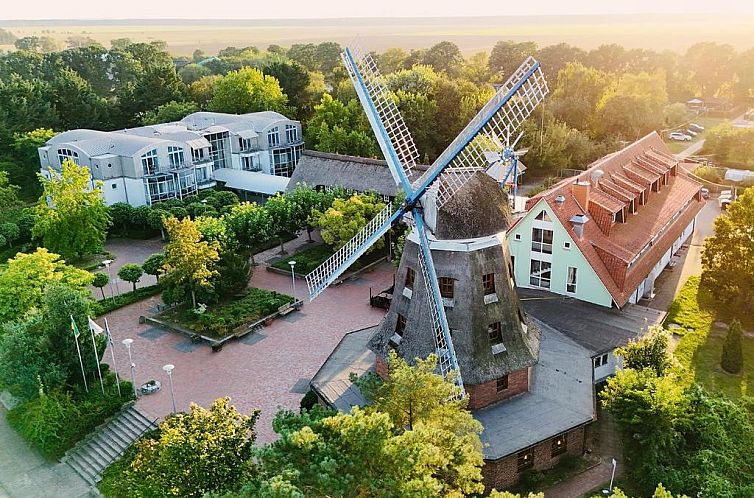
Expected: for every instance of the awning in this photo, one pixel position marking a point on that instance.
(247, 134)
(198, 143)
(251, 181)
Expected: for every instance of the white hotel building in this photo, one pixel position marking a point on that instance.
(254, 154)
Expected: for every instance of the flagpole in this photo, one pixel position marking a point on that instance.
(96, 360)
(112, 354)
(78, 350)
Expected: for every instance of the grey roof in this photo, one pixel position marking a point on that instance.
(351, 355)
(257, 120)
(336, 170)
(597, 328)
(114, 143)
(560, 398)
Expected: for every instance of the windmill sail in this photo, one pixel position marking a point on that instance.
(392, 134)
(501, 116)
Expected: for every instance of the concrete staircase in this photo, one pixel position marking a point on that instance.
(93, 454)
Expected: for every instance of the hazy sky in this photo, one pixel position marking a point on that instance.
(266, 9)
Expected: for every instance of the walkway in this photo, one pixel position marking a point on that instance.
(25, 474)
(268, 370)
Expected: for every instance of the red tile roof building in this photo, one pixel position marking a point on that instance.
(627, 214)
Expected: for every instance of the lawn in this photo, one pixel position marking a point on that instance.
(700, 346)
(306, 260)
(220, 320)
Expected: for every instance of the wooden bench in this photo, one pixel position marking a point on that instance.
(285, 309)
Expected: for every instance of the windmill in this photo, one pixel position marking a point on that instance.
(426, 192)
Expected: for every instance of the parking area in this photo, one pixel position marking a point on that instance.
(269, 370)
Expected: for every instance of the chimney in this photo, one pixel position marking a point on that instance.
(596, 175)
(580, 191)
(577, 222)
(560, 200)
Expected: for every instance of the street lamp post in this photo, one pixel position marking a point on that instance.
(169, 369)
(293, 278)
(109, 277)
(127, 343)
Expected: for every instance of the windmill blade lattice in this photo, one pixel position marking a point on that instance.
(502, 115)
(385, 118)
(335, 265)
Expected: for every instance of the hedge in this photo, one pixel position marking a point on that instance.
(109, 304)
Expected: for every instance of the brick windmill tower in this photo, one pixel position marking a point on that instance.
(457, 298)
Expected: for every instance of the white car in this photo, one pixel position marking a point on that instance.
(679, 137)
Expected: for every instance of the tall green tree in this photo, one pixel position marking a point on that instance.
(732, 359)
(72, 218)
(444, 57)
(172, 111)
(251, 225)
(343, 220)
(507, 55)
(281, 212)
(26, 160)
(131, 272)
(247, 90)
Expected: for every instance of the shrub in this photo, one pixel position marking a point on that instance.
(100, 281)
(131, 272)
(107, 305)
(732, 359)
(309, 400)
(153, 264)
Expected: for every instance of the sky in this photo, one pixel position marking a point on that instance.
(313, 9)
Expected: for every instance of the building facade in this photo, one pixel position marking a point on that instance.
(254, 154)
(605, 235)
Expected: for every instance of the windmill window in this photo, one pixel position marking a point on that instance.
(501, 384)
(400, 325)
(410, 276)
(525, 460)
(446, 287)
(559, 445)
(488, 282)
(495, 331)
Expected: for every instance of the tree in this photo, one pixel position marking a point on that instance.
(391, 60)
(251, 225)
(193, 72)
(72, 218)
(728, 255)
(343, 220)
(23, 281)
(577, 93)
(247, 90)
(280, 209)
(131, 272)
(651, 351)
(202, 90)
(306, 201)
(675, 114)
(172, 111)
(712, 65)
(444, 57)
(553, 58)
(732, 359)
(294, 81)
(42, 44)
(8, 196)
(100, 281)
(191, 454)
(189, 261)
(153, 265)
(26, 154)
(507, 55)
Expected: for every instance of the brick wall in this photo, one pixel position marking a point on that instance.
(381, 366)
(481, 395)
(503, 473)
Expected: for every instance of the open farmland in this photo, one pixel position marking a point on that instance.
(470, 34)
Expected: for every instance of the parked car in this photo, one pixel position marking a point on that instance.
(679, 137)
(696, 127)
(690, 132)
(705, 193)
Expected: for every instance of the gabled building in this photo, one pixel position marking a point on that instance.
(254, 154)
(605, 235)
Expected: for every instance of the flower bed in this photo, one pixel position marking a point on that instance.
(220, 320)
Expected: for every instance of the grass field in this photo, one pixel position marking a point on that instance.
(470, 34)
(700, 347)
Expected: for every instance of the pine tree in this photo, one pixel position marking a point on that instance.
(732, 359)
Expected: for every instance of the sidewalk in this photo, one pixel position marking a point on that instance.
(25, 474)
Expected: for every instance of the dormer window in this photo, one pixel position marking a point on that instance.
(291, 133)
(273, 137)
(149, 162)
(64, 154)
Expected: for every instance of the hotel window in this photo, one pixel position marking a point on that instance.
(525, 460)
(175, 155)
(446, 286)
(149, 162)
(248, 163)
(244, 144)
(571, 281)
(410, 276)
(400, 325)
(273, 137)
(64, 154)
(542, 216)
(291, 134)
(541, 240)
(501, 384)
(540, 273)
(495, 331)
(559, 445)
(600, 361)
(488, 283)
(197, 154)
(217, 150)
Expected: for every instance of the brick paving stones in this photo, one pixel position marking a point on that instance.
(259, 371)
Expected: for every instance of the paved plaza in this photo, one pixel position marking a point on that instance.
(268, 370)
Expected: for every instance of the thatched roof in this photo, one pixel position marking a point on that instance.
(322, 169)
(478, 209)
